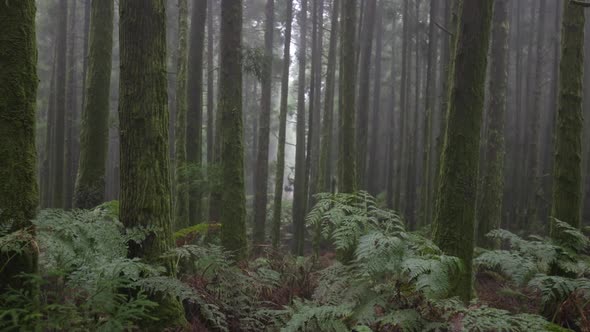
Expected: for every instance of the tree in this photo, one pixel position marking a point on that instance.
(362, 130)
(403, 105)
(233, 200)
(194, 136)
(491, 192)
(90, 183)
(261, 176)
(567, 173)
(278, 195)
(18, 92)
(181, 202)
(71, 110)
(455, 213)
(57, 182)
(347, 159)
(143, 117)
(299, 198)
(325, 171)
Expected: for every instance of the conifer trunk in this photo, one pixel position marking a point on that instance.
(18, 92)
(455, 213)
(90, 183)
(567, 173)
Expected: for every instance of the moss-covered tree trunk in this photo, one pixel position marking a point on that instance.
(362, 121)
(57, 168)
(261, 185)
(325, 171)
(567, 172)
(194, 131)
(299, 198)
(279, 178)
(233, 214)
(18, 93)
(490, 193)
(455, 213)
(347, 147)
(143, 117)
(181, 206)
(90, 182)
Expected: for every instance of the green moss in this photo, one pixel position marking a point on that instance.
(111, 208)
(196, 230)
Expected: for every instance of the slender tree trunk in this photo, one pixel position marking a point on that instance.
(347, 158)
(404, 85)
(90, 183)
(278, 195)
(489, 208)
(143, 116)
(299, 198)
(210, 87)
(261, 192)
(325, 176)
(233, 214)
(70, 110)
(567, 174)
(46, 188)
(194, 139)
(18, 91)
(364, 87)
(391, 150)
(373, 168)
(429, 97)
(60, 99)
(454, 223)
(181, 203)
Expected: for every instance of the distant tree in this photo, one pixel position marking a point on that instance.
(347, 158)
(278, 194)
(71, 109)
(233, 200)
(181, 202)
(194, 131)
(143, 116)
(299, 199)
(455, 213)
(90, 182)
(261, 176)
(491, 192)
(18, 92)
(567, 174)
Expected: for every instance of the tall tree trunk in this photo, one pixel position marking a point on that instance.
(47, 173)
(325, 176)
(347, 159)
(210, 87)
(455, 213)
(429, 96)
(278, 195)
(299, 198)
(71, 110)
(362, 120)
(90, 183)
(567, 174)
(261, 192)
(18, 92)
(403, 103)
(143, 116)
(194, 125)
(391, 146)
(60, 99)
(490, 194)
(373, 168)
(233, 214)
(181, 203)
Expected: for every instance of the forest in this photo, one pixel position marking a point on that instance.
(295, 165)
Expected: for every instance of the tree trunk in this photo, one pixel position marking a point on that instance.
(233, 214)
(347, 162)
(261, 192)
(71, 111)
(299, 198)
(90, 183)
(210, 87)
(454, 223)
(404, 85)
(18, 92)
(489, 209)
(373, 168)
(278, 196)
(567, 173)
(143, 116)
(325, 176)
